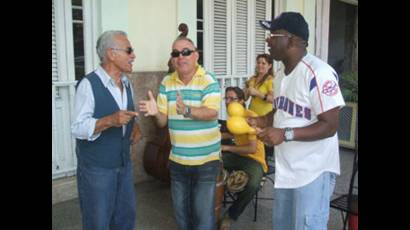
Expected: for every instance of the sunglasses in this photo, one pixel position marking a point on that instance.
(231, 98)
(185, 52)
(128, 50)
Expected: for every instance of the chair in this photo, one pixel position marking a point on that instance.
(271, 171)
(348, 203)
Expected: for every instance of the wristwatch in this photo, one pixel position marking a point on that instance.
(289, 135)
(187, 112)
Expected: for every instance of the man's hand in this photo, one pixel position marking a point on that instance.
(117, 119)
(122, 117)
(272, 136)
(149, 106)
(254, 121)
(180, 106)
(135, 135)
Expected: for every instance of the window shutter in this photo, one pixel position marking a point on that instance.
(241, 37)
(54, 71)
(260, 14)
(220, 38)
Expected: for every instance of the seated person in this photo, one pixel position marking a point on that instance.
(247, 154)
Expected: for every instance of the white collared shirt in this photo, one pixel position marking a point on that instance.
(83, 125)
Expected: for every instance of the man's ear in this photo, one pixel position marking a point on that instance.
(110, 54)
(292, 41)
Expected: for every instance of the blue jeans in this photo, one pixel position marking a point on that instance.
(304, 208)
(193, 195)
(107, 197)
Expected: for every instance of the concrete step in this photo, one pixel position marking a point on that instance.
(64, 189)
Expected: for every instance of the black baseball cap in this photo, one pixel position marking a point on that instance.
(293, 22)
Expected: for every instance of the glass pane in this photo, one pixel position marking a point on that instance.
(77, 14)
(77, 2)
(199, 25)
(237, 80)
(228, 82)
(201, 58)
(199, 9)
(78, 38)
(200, 43)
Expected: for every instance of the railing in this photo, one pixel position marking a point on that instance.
(64, 161)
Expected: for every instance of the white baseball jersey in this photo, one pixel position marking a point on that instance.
(309, 90)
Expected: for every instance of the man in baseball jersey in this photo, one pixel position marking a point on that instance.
(307, 100)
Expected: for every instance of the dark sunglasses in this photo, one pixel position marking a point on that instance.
(128, 50)
(185, 52)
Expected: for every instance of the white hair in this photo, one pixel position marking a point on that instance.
(106, 40)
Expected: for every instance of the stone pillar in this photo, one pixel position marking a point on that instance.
(142, 82)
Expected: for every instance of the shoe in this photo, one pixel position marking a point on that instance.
(225, 223)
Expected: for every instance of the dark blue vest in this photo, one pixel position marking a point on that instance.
(111, 149)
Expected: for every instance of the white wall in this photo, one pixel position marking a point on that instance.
(152, 29)
(114, 15)
(186, 13)
(307, 8)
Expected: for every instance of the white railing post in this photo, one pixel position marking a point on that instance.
(64, 159)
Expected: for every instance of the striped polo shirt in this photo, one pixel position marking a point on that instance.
(194, 142)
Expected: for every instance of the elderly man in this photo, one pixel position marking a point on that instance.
(104, 128)
(307, 100)
(189, 101)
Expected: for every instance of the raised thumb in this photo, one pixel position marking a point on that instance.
(151, 97)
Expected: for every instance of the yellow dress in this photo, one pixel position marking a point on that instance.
(258, 105)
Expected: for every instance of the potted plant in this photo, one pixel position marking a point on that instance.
(349, 86)
(348, 115)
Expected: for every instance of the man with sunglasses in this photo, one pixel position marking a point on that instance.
(307, 100)
(189, 101)
(104, 129)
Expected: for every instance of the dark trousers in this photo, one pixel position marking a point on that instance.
(232, 161)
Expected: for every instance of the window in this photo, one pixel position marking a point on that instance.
(343, 37)
(78, 38)
(235, 36)
(200, 31)
(232, 38)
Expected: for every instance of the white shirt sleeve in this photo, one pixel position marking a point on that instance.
(83, 125)
(327, 95)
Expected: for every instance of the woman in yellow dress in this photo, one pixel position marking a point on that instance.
(260, 86)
